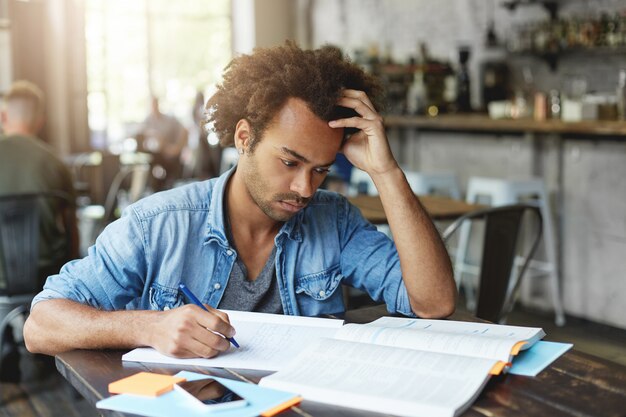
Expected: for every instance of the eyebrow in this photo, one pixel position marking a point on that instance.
(299, 157)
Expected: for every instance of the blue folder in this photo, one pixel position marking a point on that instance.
(534, 360)
(174, 403)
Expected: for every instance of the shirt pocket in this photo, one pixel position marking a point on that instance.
(164, 298)
(320, 286)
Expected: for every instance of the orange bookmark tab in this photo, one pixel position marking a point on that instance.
(498, 368)
(145, 383)
(517, 347)
(282, 407)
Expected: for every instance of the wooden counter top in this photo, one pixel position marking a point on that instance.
(437, 207)
(482, 123)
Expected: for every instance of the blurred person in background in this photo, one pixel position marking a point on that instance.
(166, 138)
(28, 165)
(207, 161)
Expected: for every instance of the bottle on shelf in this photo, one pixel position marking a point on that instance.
(554, 104)
(416, 95)
(621, 95)
(604, 31)
(463, 102)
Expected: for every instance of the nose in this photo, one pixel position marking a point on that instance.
(301, 184)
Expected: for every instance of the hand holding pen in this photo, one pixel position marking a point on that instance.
(197, 302)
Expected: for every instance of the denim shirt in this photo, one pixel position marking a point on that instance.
(178, 236)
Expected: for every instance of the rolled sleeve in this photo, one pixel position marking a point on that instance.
(111, 275)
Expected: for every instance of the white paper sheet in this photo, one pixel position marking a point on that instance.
(268, 342)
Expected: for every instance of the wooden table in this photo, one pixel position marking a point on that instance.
(576, 384)
(439, 208)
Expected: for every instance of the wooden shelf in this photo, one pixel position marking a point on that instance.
(482, 123)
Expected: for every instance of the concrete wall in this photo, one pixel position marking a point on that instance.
(594, 229)
(274, 22)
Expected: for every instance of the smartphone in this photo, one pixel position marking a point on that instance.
(210, 394)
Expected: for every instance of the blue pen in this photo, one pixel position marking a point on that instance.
(197, 302)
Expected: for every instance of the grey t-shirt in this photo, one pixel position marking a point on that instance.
(260, 295)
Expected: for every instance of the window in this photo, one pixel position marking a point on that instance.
(138, 48)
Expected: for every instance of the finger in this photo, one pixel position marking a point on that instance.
(360, 95)
(197, 349)
(208, 337)
(220, 313)
(186, 353)
(360, 107)
(356, 122)
(213, 321)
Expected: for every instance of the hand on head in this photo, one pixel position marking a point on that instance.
(368, 149)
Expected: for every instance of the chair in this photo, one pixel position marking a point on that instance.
(79, 164)
(499, 276)
(94, 218)
(19, 251)
(506, 191)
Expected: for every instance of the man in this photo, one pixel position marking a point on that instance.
(165, 137)
(28, 165)
(207, 155)
(259, 237)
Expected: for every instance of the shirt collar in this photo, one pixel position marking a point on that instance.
(216, 228)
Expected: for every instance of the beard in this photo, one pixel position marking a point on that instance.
(258, 189)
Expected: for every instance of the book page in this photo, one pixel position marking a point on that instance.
(268, 342)
(444, 336)
(384, 379)
(237, 317)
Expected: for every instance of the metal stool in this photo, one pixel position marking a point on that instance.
(504, 192)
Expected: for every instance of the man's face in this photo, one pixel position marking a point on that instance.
(290, 161)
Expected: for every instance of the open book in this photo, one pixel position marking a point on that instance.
(407, 367)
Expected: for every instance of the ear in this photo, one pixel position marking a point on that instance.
(243, 134)
(38, 124)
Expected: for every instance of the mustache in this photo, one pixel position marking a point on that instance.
(298, 199)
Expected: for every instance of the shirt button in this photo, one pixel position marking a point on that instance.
(229, 252)
(166, 308)
(322, 293)
(217, 286)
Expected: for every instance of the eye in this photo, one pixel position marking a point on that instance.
(322, 170)
(288, 163)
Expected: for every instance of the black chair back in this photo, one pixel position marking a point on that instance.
(19, 239)
(498, 280)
